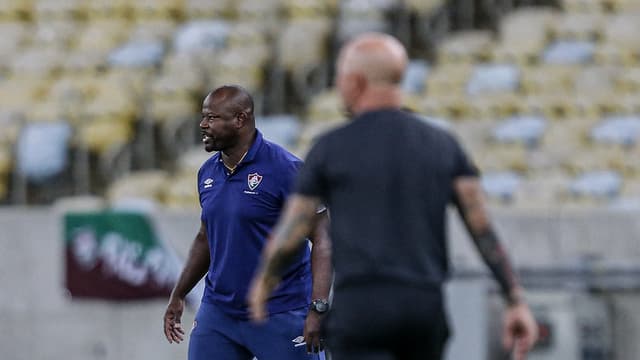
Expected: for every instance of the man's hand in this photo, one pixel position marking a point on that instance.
(312, 328)
(259, 293)
(172, 326)
(520, 330)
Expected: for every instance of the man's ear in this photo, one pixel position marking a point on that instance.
(242, 119)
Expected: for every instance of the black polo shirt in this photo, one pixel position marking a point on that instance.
(387, 178)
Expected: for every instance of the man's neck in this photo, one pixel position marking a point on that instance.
(378, 98)
(235, 154)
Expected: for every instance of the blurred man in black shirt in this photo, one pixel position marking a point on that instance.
(387, 179)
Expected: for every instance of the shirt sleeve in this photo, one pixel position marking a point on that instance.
(463, 164)
(312, 180)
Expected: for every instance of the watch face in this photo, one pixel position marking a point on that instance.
(320, 306)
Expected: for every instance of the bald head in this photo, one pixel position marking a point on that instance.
(380, 58)
(370, 69)
(227, 121)
(231, 98)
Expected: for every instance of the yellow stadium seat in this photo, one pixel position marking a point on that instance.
(424, 7)
(453, 107)
(304, 9)
(181, 191)
(552, 107)
(43, 62)
(191, 160)
(163, 109)
(242, 66)
(246, 34)
(500, 157)
(138, 185)
(51, 9)
(303, 43)
(208, 9)
(326, 107)
(578, 26)
(622, 30)
(18, 93)
(612, 54)
(58, 33)
(105, 9)
(547, 79)
(595, 80)
(629, 80)
(623, 6)
(496, 106)
(102, 136)
(10, 123)
(170, 9)
(466, 47)
(6, 160)
(583, 6)
(156, 29)
(524, 34)
(16, 9)
(103, 35)
(446, 79)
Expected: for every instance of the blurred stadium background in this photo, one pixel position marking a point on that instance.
(100, 101)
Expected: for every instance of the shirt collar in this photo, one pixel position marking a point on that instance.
(253, 150)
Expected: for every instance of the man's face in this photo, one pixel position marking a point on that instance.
(219, 126)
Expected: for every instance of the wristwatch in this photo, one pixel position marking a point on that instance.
(320, 306)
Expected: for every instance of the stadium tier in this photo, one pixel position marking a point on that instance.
(105, 95)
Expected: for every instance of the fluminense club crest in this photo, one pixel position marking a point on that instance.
(253, 180)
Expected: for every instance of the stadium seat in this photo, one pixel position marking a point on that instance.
(493, 79)
(60, 9)
(523, 34)
(6, 165)
(102, 136)
(465, 48)
(56, 33)
(423, 7)
(525, 130)
(578, 26)
(583, 6)
(207, 9)
(15, 10)
(448, 79)
(303, 44)
(621, 31)
(496, 106)
(42, 62)
(191, 160)
(305, 9)
(138, 185)
(167, 9)
(107, 9)
(415, 77)
(281, 129)
(623, 131)
(547, 79)
(325, 107)
(569, 52)
(501, 187)
(152, 30)
(181, 192)
(503, 157)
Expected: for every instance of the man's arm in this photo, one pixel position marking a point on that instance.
(322, 273)
(196, 267)
(295, 224)
(520, 330)
(471, 206)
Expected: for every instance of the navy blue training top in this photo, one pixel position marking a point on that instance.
(387, 178)
(239, 211)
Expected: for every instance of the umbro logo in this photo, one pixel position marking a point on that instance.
(208, 183)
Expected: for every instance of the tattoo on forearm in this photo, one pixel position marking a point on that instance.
(496, 259)
(289, 236)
